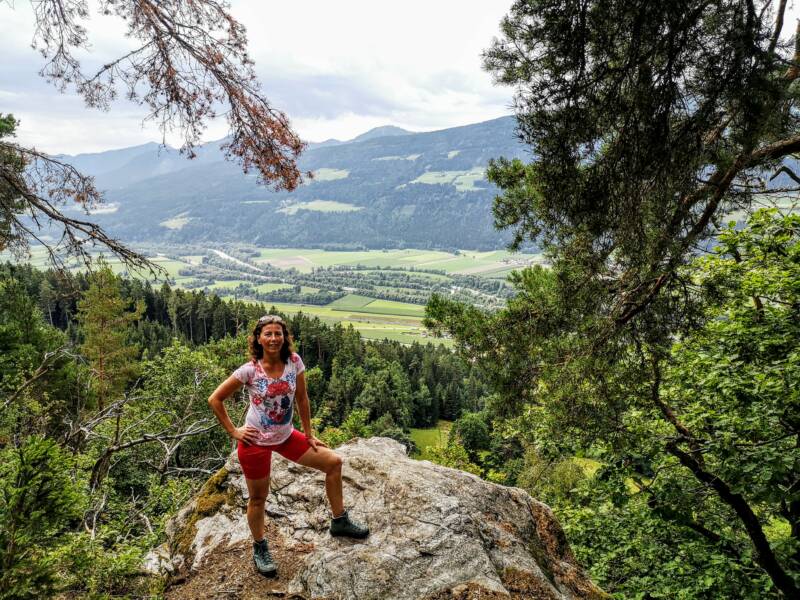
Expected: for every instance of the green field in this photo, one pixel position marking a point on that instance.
(390, 307)
(466, 262)
(464, 181)
(434, 436)
(350, 302)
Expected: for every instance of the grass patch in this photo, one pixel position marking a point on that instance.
(330, 174)
(390, 307)
(432, 436)
(464, 181)
(350, 302)
(320, 206)
(176, 222)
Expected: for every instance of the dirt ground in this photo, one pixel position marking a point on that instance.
(229, 574)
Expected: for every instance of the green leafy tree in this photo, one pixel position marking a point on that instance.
(315, 384)
(472, 432)
(163, 425)
(345, 384)
(425, 413)
(47, 299)
(454, 456)
(386, 391)
(36, 367)
(702, 438)
(355, 425)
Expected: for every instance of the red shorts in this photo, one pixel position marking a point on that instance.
(256, 460)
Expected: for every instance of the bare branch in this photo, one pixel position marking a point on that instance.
(34, 197)
(48, 362)
(788, 171)
(192, 62)
(778, 26)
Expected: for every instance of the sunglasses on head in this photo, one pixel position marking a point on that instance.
(270, 319)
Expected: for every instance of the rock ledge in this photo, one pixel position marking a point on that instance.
(436, 533)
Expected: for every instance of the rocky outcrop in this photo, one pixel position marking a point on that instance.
(436, 533)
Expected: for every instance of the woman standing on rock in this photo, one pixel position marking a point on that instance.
(274, 379)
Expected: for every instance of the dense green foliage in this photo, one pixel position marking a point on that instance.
(94, 460)
(650, 122)
(38, 501)
(643, 513)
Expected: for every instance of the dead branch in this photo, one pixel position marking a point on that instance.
(42, 190)
(191, 66)
(48, 362)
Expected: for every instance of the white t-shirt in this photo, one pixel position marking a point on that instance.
(271, 400)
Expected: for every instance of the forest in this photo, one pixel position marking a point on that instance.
(644, 381)
(105, 382)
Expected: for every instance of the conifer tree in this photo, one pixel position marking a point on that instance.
(650, 123)
(105, 321)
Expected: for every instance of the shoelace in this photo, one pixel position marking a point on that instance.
(263, 551)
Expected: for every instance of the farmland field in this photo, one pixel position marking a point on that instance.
(306, 259)
(389, 307)
(350, 302)
(374, 318)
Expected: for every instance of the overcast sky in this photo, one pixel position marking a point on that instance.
(336, 68)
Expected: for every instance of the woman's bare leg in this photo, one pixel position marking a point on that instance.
(257, 489)
(330, 463)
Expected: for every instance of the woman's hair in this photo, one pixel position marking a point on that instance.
(256, 351)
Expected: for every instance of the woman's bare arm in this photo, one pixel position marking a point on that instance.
(217, 403)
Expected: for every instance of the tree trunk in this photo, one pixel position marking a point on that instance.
(764, 555)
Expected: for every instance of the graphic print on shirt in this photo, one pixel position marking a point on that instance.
(271, 399)
(274, 398)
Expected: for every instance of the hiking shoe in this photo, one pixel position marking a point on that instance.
(344, 526)
(262, 559)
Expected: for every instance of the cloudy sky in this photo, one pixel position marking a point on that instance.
(336, 68)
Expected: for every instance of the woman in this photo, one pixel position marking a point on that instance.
(274, 379)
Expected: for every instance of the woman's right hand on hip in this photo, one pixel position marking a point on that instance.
(247, 434)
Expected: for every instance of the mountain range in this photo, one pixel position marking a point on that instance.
(387, 188)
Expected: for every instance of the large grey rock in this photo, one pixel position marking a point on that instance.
(436, 532)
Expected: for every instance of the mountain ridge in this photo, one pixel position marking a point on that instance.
(387, 188)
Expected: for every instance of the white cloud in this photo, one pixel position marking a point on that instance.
(336, 68)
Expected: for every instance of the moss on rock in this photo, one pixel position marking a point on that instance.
(211, 497)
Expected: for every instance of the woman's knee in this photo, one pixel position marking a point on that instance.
(257, 499)
(334, 465)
